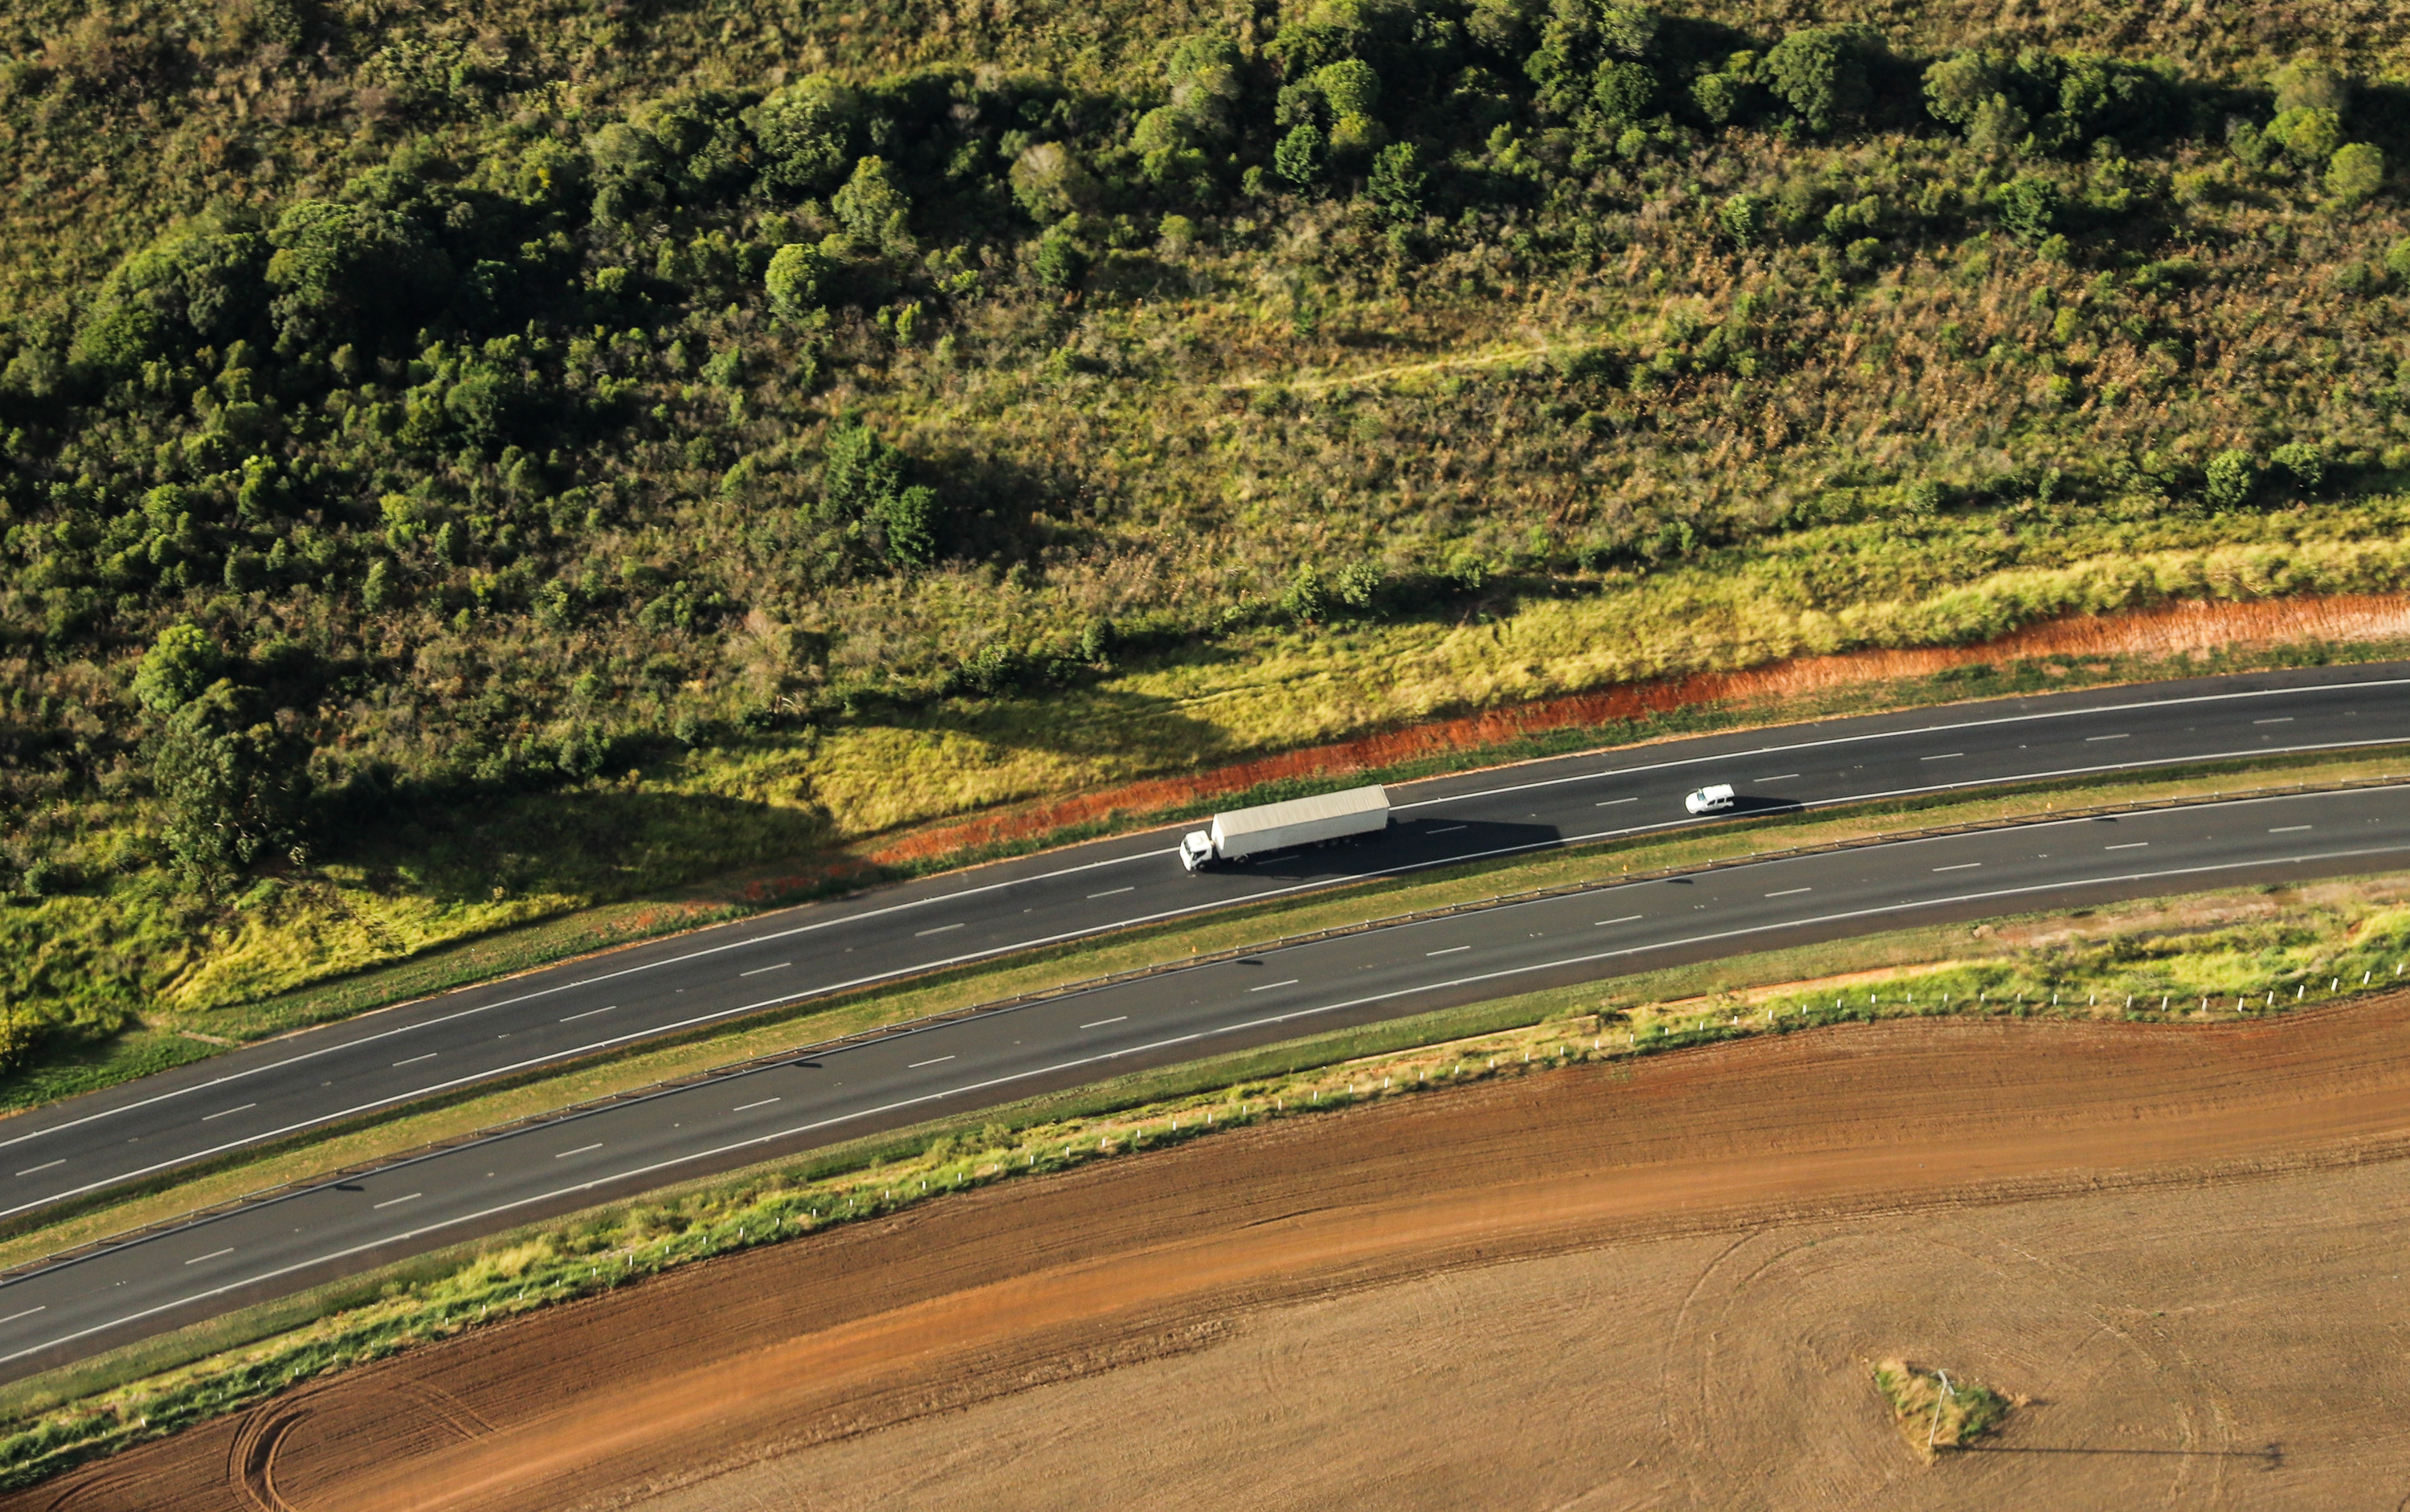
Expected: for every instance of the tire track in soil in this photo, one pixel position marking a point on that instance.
(986, 1293)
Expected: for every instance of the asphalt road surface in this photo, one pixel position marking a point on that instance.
(110, 1297)
(323, 1076)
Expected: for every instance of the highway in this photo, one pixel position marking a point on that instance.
(85, 1305)
(344, 1071)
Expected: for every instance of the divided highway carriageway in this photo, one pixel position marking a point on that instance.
(266, 1091)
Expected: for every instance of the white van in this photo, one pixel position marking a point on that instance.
(1710, 800)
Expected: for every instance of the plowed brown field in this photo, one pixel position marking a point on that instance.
(1605, 1288)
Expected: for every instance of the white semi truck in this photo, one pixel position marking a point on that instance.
(1245, 832)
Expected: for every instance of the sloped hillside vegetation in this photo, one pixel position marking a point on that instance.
(411, 417)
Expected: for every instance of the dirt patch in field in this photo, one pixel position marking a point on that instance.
(2174, 630)
(1651, 1284)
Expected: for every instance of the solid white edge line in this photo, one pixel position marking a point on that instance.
(907, 904)
(1562, 842)
(471, 1012)
(2233, 696)
(1082, 1062)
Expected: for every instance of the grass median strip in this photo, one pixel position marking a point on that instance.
(2327, 940)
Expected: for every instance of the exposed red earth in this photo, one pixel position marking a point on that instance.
(1654, 1284)
(2172, 630)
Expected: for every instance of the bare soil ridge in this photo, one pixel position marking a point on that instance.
(2176, 630)
(976, 1299)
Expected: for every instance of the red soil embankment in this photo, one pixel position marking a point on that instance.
(978, 1297)
(2175, 629)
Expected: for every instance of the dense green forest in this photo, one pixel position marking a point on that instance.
(405, 411)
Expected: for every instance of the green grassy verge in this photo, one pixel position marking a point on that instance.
(72, 1065)
(389, 1132)
(2332, 939)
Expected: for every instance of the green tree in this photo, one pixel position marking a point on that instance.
(1396, 182)
(1743, 219)
(1624, 92)
(2000, 126)
(2309, 134)
(1298, 158)
(2233, 476)
(1060, 262)
(483, 402)
(341, 268)
(1820, 73)
(2306, 81)
(181, 663)
(200, 283)
(1501, 25)
(798, 279)
(873, 208)
(867, 488)
(2029, 208)
(2304, 463)
(2356, 172)
(1050, 181)
(1351, 86)
(1959, 85)
(1722, 97)
(231, 780)
(1207, 81)
(806, 131)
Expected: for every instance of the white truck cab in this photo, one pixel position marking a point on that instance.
(1196, 850)
(1710, 800)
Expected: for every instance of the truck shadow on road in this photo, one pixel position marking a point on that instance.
(1408, 843)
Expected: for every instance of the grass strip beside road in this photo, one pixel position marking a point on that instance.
(597, 922)
(2341, 932)
(392, 1132)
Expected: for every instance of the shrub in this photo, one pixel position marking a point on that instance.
(2029, 208)
(1396, 182)
(2232, 478)
(1743, 219)
(1060, 262)
(2356, 173)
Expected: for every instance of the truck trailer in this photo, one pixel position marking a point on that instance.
(1324, 819)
